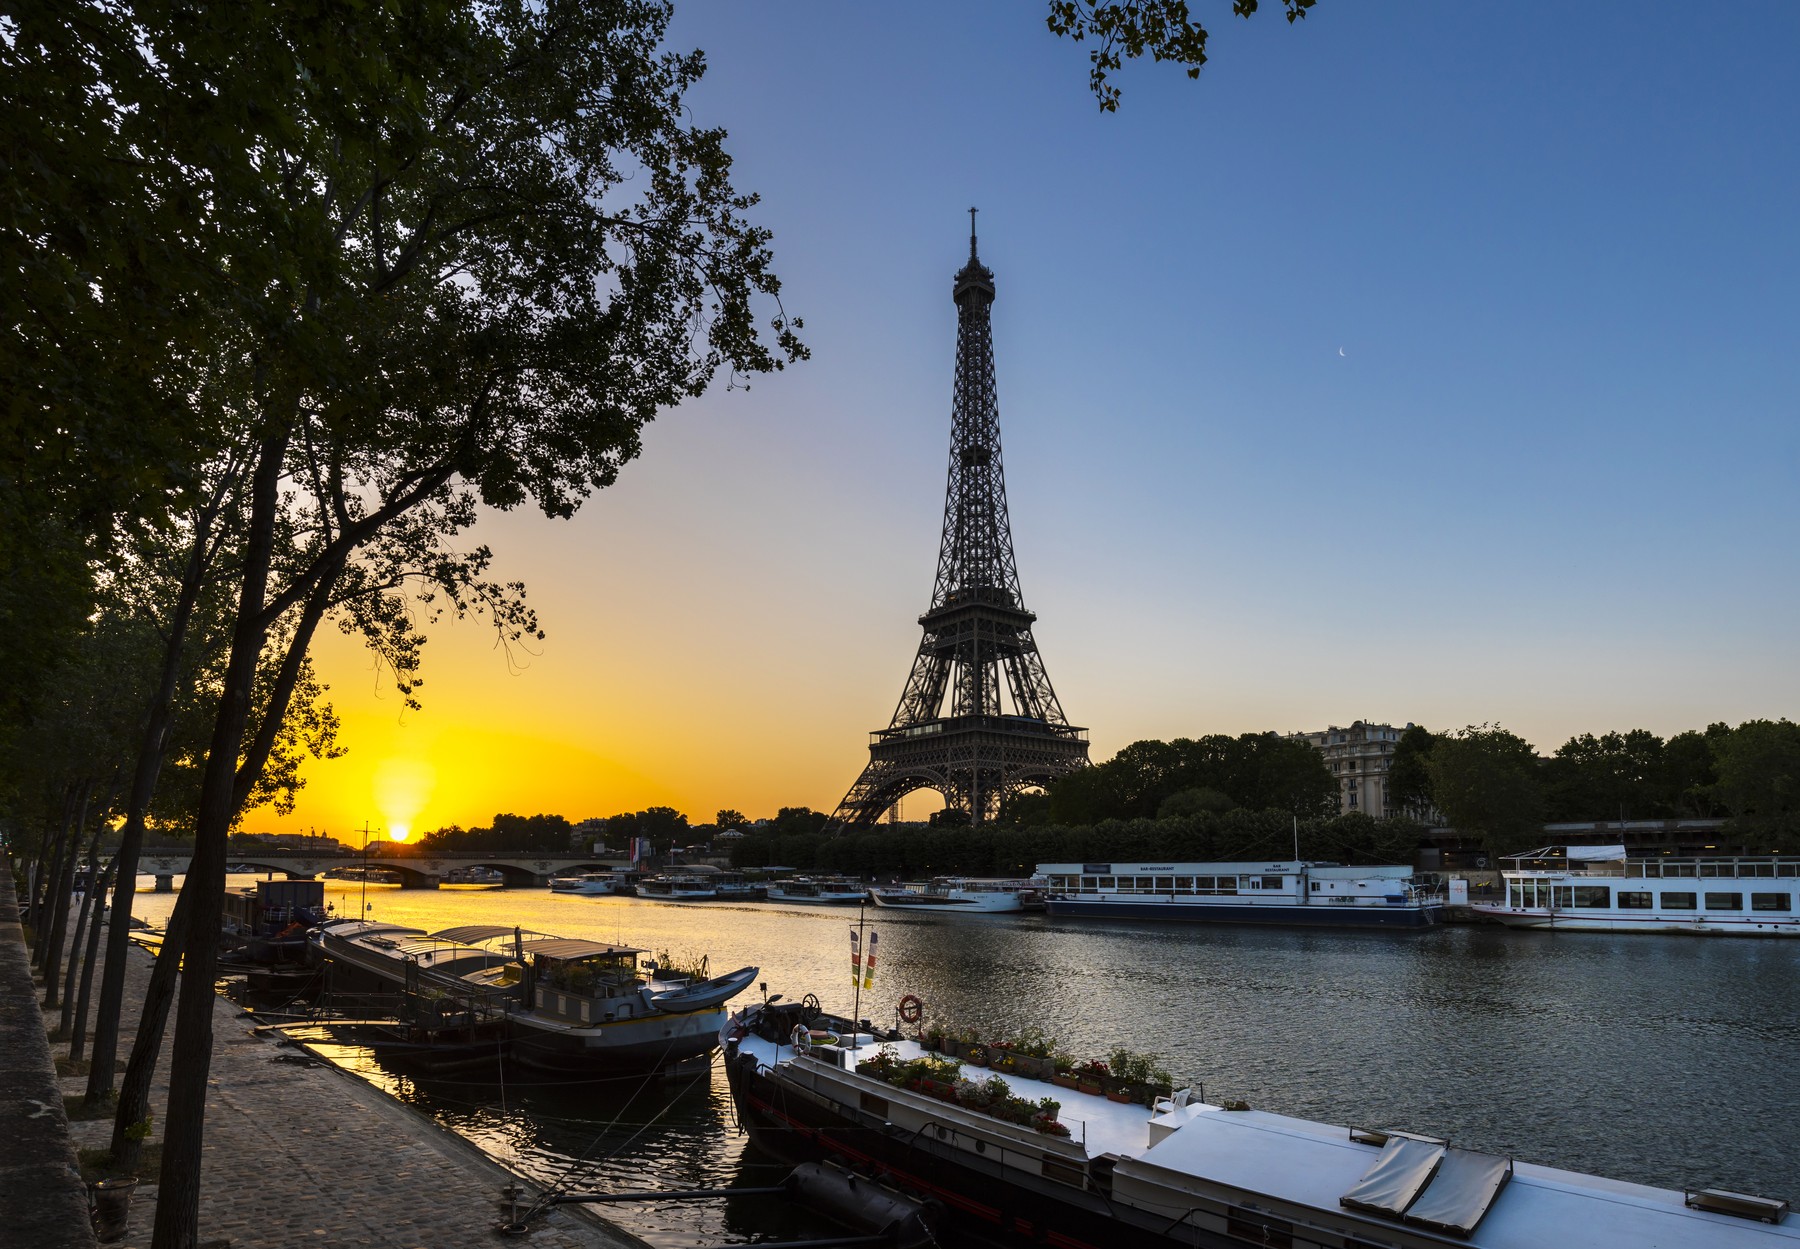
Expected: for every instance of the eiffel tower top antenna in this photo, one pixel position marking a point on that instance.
(972, 234)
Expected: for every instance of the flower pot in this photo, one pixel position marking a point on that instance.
(1119, 1095)
(976, 1056)
(1088, 1086)
(1065, 1081)
(112, 1207)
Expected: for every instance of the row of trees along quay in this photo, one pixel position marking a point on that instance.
(291, 293)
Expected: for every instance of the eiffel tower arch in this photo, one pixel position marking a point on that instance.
(1002, 732)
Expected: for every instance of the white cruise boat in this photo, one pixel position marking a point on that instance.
(953, 893)
(1294, 892)
(1091, 1173)
(1601, 889)
(819, 891)
(593, 883)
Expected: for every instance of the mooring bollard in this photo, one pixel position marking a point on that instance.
(112, 1207)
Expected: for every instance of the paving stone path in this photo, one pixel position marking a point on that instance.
(299, 1154)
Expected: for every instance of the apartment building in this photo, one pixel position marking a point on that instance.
(1359, 757)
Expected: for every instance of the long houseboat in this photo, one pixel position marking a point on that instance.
(561, 1003)
(1601, 889)
(1080, 1171)
(1294, 892)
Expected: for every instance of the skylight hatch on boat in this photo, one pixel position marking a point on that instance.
(1464, 1187)
(1743, 1205)
(1399, 1175)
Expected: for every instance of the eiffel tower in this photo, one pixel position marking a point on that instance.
(976, 755)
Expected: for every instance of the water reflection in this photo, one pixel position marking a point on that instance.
(1664, 1060)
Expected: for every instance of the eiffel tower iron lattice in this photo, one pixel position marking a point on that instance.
(977, 634)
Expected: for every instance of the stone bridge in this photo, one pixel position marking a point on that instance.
(420, 870)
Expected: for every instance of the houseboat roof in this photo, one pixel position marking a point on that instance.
(470, 934)
(569, 949)
(1287, 867)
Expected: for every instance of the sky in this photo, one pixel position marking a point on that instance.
(1418, 363)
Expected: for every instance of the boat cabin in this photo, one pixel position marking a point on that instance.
(584, 982)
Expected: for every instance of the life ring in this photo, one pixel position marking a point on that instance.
(910, 1010)
(806, 1040)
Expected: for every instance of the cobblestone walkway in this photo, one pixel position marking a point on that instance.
(305, 1155)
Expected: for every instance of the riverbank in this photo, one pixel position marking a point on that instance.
(299, 1152)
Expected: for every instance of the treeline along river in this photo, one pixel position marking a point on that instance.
(1664, 1060)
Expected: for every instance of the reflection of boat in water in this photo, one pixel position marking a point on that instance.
(819, 891)
(364, 875)
(595, 883)
(1298, 893)
(955, 893)
(474, 876)
(1015, 1160)
(562, 1003)
(1599, 889)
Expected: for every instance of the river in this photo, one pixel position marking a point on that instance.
(1664, 1060)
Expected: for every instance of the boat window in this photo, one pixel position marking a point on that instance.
(1315, 886)
(1768, 902)
(1724, 901)
(1790, 868)
(1090, 882)
(1184, 883)
(1634, 901)
(1679, 869)
(1562, 896)
(1713, 869)
(1593, 897)
(1165, 884)
(1271, 882)
(1203, 882)
(1108, 882)
(1678, 902)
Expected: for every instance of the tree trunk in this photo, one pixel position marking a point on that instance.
(78, 938)
(43, 900)
(140, 1070)
(58, 912)
(143, 788)
(178, 1196)
(78, 1038)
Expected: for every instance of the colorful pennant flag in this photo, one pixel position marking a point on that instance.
(869, 962)
(855, 958)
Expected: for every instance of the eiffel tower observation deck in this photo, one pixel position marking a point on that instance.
(982, 749)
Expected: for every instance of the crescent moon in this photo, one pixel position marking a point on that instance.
(1340, 351)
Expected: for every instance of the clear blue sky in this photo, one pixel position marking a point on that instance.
(1430, 362)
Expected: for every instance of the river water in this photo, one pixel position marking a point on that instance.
(1664, 1060)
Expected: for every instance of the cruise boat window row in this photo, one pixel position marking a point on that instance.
(1601, 897)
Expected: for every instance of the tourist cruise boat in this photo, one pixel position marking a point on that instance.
(474, 876)
(818, 891)
(594, 883)
(1292, 892)
(1600, 889)
(1181, 1171)
(956, 893)
(562, 1003)
(713, 886)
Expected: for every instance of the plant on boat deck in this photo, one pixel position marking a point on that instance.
(684, 966)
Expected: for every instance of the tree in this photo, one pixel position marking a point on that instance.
(1690, 773)
(448, 255)
(1485, 781)
(1189, 802)
(1163, 28)
(1615, 776)
(1759, 781)
(1409, 772)
(729, 818)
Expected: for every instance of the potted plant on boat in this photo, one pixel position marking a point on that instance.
(1091, 1077)
(1137, 1078)
(932, 1038)
(1046, 1121)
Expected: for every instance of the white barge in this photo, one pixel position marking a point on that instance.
(1183, 1172)
(955, 893)
(1600, 889)
(1291, 892)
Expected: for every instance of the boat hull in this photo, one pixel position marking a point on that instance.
(987, 1198)
(1407, 915)
(637, 1045)
(1676, 925)
(990, 903)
